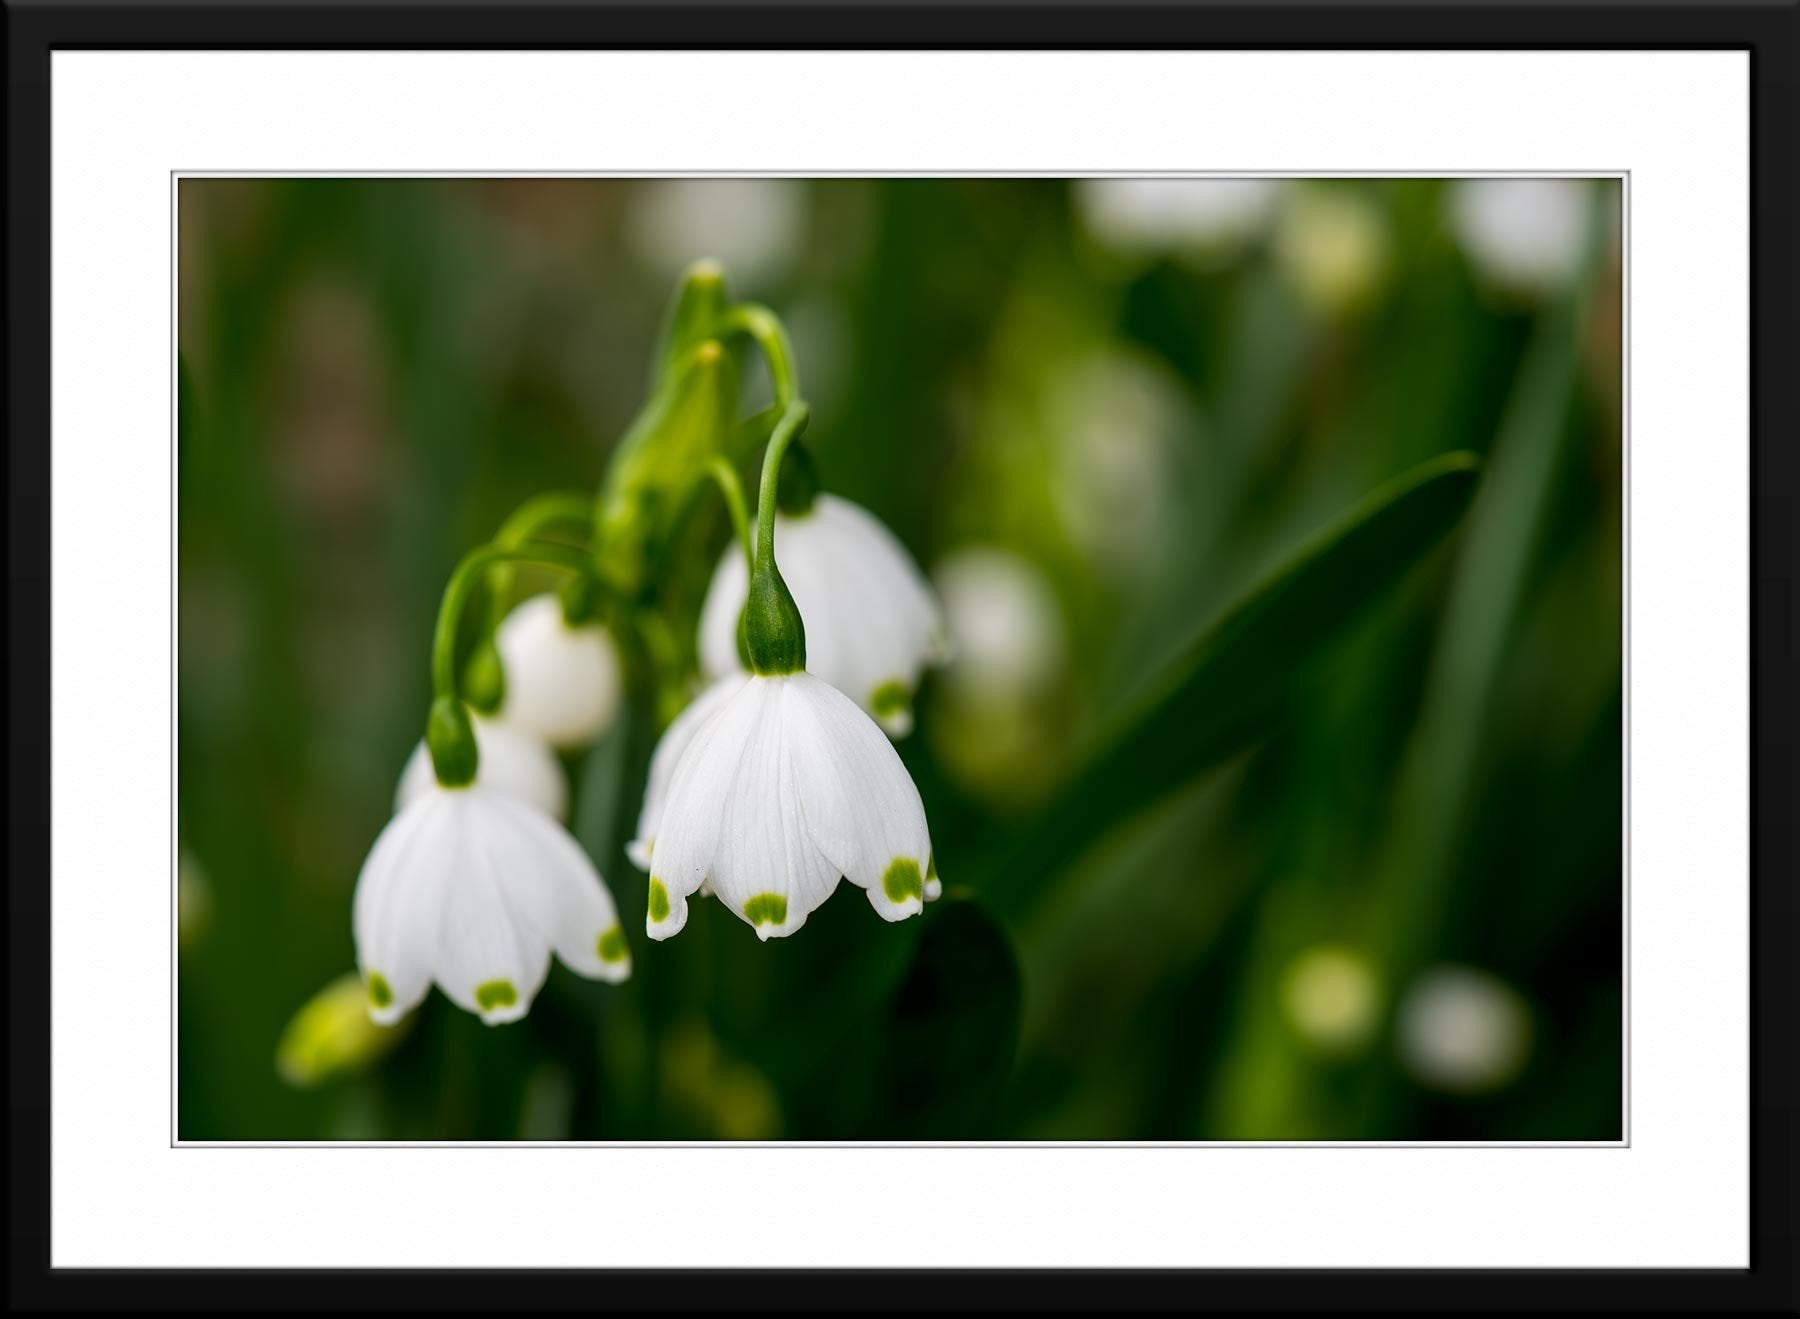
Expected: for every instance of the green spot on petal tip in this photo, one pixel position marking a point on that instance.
(902, 880)
(612, 946)
(491, 994)
(659, 901)
(890, 700)
(380, 993)
(766, 909)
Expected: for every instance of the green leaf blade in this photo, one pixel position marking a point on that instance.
(1231, 683)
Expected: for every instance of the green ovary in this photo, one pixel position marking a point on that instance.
(766, 909)
(491, 994)
(902, 880)
(659, 900)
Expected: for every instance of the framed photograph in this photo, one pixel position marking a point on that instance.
(1059, 656)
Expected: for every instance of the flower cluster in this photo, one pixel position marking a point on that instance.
(773, 784)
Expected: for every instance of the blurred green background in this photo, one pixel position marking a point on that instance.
(1097, 409)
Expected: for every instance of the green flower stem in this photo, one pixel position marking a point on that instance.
(773, 634)
(456, 595)
(770, 335)
(725, 476)
(574, 508)
(570, 508)
(787, 430)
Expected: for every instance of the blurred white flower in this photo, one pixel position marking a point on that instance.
(473, 890)
(755, 227)
(1332, 244)
(512, 761)
(872, 624)
(1333, 997)
(1148, 216)
(562, 682)
(1463, 1030)
(669, 748)
(1522, 235)
(1116, 447)
(1004, 623)
(785, 788)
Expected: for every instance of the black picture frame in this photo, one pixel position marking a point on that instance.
(1768, 30)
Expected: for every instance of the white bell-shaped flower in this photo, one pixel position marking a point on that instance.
(562, 682)
(784, 788)
(512, 762)
(872, 622)
(473, 890)
(674, 741)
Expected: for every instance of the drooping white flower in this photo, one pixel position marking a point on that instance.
(513, 762)
(561, 682)
(1152, 215)
(872, 622)
(1522, 235)
(669, 748)
(1004, 621)
(1463, 1030)
(472, 890)
(783, 789)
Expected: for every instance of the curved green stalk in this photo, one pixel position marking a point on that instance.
(792, 422)
(572, 508)
(456, 595)
(765, 327)
(725, 476)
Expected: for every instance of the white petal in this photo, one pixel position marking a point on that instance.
(766, 868)
(724, 603)
(394, 912)
(488, 962)
(861, 809)
(675, 740)
(513, 762)
(692, 834)
(553, 887)
(562, 682)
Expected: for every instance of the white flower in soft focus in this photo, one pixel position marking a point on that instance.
(473, 890)
(785, 788)
(1148, 216)
(872, 624)
(1333, 998)
(1115, 459)
(1004, 621)
(562, 682)
(512, 761)
(756, 228)
(1524, 235)
(1463, 1030)
(674, 741)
